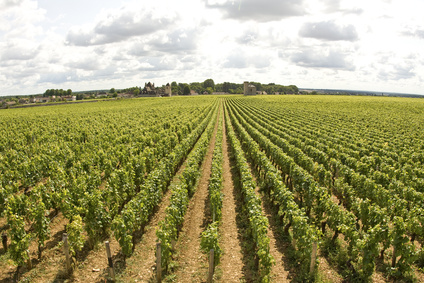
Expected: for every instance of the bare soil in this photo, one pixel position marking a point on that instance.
(52, 260)
(279, 271)
(193, 264)
(140, 267)
(231, 264)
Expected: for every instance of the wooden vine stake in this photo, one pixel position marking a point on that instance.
(394, 257)
(211, 265)
(158, 263)
(109, 260)
(4, 241)
(66, 249)
(313, 257)
(29, 263)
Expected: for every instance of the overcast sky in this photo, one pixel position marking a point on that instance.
(99, 44)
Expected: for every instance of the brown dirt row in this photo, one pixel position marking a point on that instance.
(231, 264)
(43, 266)
(280, 270)
(141, 265)
(93, 264)
(192, 263)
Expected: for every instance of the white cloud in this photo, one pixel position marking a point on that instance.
(329, 30)
(322, 58)
(261, 11)
(413, 32)
(108, 43)
(5, 4)
(120, 25)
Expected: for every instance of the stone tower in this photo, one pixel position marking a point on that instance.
(246, 88)
(168, 90)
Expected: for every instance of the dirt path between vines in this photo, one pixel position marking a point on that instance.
(141, 266)
(232, 259)
(52, 260)
(279, 271)
(192, 263)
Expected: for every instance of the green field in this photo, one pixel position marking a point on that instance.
(343, 173)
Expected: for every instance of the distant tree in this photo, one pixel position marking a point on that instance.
(181, 88)
(69, 92)
(219, 87)
(198, 87)
(294, 89)
(209, 90)
(112, 90)
(209, 83)
(257, 85)
(186, 90)
(136, 91)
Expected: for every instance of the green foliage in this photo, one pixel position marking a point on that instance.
(210, 240)
(186, 90)
(169, 227)
(20, 240)
(75, 235)
(257, 221)
(351, 165)
(136, 212)
(96, 217)
(57, 92)
(40, 222)
(209, 83)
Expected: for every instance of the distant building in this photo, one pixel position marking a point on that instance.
(168, 90)
(249, 89)
(40, 99)
(125, 95)
(150, 90)
(69, 98)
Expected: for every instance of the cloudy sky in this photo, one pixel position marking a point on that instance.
(98, 44)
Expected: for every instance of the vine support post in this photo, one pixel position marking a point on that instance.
(29, 263)
(394, 257)
(4, 241)
(211, 265)
(313, 257)
(158, 263)
(66, 249)
(110, 262)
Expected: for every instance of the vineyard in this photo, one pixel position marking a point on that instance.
(255, 189)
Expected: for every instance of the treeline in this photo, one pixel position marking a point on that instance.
(209, 86)
(206, 87)
(270, 88)
(57, 92)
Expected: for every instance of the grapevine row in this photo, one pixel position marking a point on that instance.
(257, 221)
(180, 196)
(137, 211)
